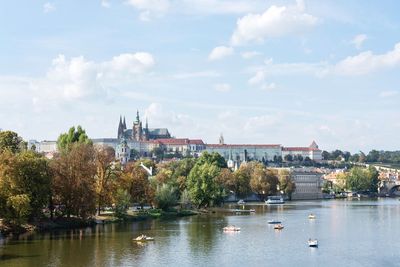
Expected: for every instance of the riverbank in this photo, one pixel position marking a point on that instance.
(105, 218)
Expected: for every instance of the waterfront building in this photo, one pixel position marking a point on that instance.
(308, 183)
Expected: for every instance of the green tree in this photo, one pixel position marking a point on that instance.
(212, 158)
(360, 179)
(77, 135)
(10, 141)
(288, 158)
(122, 201)
(202, 185)
(19, 208)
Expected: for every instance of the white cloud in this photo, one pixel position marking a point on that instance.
(367, 62)
(220, 6)
(220, 52)
(390, 93)
(250, 54)
(222, 87)
(274, 22)
(358, 40)
(105, 3)
(49, 7)
(150, 8)
(78, 78)
(259, 80)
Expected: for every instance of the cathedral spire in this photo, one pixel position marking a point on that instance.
(124, 124)
(147, 124)
(137, 116)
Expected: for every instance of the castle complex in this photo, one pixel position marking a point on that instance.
(138, 133)
(145, 142)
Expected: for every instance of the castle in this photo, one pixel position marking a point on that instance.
(138, 133)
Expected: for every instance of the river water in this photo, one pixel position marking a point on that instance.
(350, 233)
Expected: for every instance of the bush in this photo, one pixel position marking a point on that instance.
(166, 197)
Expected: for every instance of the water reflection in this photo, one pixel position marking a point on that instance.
(350, 233)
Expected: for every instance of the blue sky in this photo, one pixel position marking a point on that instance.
(258, 71)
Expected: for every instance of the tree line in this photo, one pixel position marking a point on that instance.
(373, 156)
(82, 179)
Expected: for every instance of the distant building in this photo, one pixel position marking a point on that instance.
(312, 152)
(308, 183)
(139, 133)
(245, 152)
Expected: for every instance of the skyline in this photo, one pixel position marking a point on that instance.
(285, 72)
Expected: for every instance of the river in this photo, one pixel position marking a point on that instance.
(350, 233)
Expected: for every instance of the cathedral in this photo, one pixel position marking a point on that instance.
(140, 133)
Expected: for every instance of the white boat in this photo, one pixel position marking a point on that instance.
(241, 202)
(311, 216)
(231, 228)
(252, 210)
(274, 222)
(274, 200)
(278, 226)
(312, 242)
(143, 238)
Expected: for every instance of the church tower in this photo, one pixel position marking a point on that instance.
(120, 128)
(137, 130)
(221, 140)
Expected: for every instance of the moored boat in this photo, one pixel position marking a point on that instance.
(274, 200)
(312, 242)
(278, 226)
(274, 222)
(241, 202)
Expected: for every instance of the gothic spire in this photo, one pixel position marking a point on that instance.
(124, 124)
(137, 116)
(147, 124)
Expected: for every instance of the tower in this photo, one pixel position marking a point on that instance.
(221, 139)
(120, 128)
(137, 130)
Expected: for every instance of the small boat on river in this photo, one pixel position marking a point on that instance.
(311, 216)
(274, 222)
(241, 202)
(312, 242)
(231, 228)
(278, 226)
(143, 238)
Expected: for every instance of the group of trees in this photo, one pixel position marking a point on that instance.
(82, 179)
(357, 179)
(372, 156)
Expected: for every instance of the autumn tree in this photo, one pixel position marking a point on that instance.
(74, 184)
(263, 181)
(107, 174)
(135, 180)
(24, 185)
(286, 184)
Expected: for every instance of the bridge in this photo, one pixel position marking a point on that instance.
(392, 188)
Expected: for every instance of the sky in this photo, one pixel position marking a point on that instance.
(257, 71)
